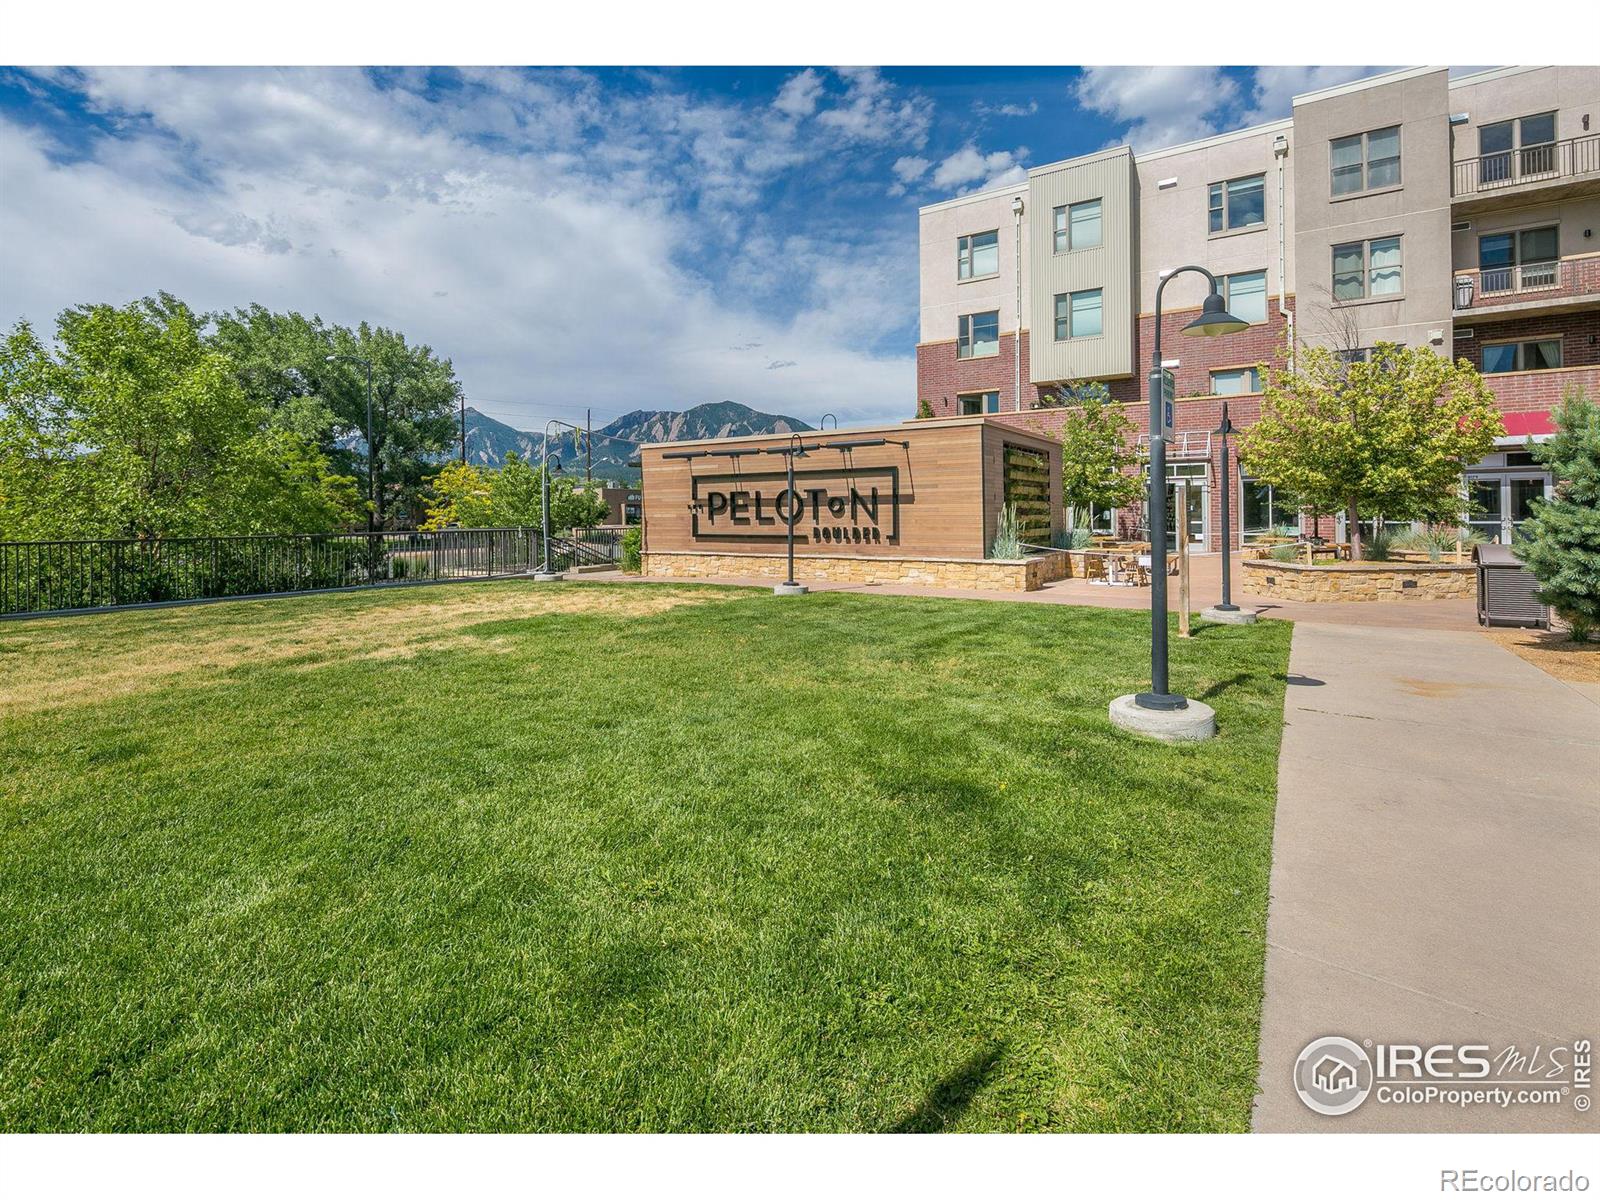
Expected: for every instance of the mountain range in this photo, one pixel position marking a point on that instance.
(489, 440)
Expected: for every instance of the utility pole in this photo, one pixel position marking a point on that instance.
(463, 429)
(588, 450)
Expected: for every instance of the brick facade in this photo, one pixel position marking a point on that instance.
(941, 377)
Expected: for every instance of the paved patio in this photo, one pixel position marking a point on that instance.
(1205, 589)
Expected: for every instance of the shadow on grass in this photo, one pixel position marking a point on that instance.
(949, 1098)
(1222, 685)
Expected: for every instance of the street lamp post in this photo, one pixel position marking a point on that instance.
(1159, 712)
(1227, 612)
(544, 574)
(372, 487)
(795, 449)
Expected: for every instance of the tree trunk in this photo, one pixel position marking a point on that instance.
(1352, 523)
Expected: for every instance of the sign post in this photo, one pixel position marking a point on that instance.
(1181, 519)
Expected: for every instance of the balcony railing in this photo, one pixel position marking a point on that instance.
(1527, 164)
(1552, 280)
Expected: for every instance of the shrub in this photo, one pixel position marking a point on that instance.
(1285, 552)
(1560, 543)
(1377, 547)
(632, 545)
(1435, 540)
(1007, 539)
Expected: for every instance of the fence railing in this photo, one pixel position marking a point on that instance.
(1525, 164)
(67, 575)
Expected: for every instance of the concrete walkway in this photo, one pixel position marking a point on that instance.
(1433, 876)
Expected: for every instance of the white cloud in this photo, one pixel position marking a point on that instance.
(872, 111)
(799, 93)
(1276, 87)
(969, 165)
(1162, 106)
(487, 221)
(984, 109)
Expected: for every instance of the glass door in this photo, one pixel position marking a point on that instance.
(1522, 493)
(1195, 519)
(1484, 507)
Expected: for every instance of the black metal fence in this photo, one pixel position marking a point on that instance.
(63, 576)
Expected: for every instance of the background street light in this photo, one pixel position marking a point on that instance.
(1214, 320)
(795, 449)
(544, 574)
(372, 487)
(1227, 612)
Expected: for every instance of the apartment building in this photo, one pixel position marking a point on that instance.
(1458, 214)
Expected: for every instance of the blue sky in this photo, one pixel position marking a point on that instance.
(627, 238)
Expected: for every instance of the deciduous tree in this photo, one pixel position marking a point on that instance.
(1389, 437)
(1097, 453)
(134, 427)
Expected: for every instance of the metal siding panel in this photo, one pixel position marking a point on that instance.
(1110, 267)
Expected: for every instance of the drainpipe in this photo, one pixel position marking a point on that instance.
(1280, 150)
(1016, 340)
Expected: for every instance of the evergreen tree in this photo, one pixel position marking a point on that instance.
(1560, 543)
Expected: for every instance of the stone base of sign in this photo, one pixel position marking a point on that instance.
(1229, 616)
(1195, 723)
(1360, 581)
(548, 577)
(790, 589)
(990, 574)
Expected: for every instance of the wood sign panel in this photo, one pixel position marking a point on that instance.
(919, 493)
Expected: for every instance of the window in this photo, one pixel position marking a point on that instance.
(1365, 161)
(1509, 262)
(973, 403)
(1510, 149)
(1238, 203)
(977, 255)
(1246, 296)
(1236, 381)
(1077, 226)
(1542, 355)
(978, 335)
(1078, 315)
(1357, 355)
(1362, 269)
(1266, 510)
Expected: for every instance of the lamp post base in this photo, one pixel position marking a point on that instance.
(1228, 614)
(790, 589)
(1194, 722)
(548, 577)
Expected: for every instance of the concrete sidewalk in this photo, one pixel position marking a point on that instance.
(1433, 874)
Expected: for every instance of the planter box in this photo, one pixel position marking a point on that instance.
(984, 574)
(1359, 581)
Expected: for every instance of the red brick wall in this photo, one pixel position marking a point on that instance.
(1579, 333)
(941, 376)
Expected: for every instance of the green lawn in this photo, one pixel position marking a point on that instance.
(587, 857)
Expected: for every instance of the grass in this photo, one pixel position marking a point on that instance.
(629, 857)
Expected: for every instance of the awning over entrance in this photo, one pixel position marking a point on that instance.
(1527, 424)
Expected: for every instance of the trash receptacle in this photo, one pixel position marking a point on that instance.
(1506, 589)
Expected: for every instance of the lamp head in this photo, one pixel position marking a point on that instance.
(1214, 320)
(555, 465)
(1226, 427)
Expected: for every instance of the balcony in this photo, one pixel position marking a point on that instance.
(1557, 167)
(1539, 391)
(1555, 285)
